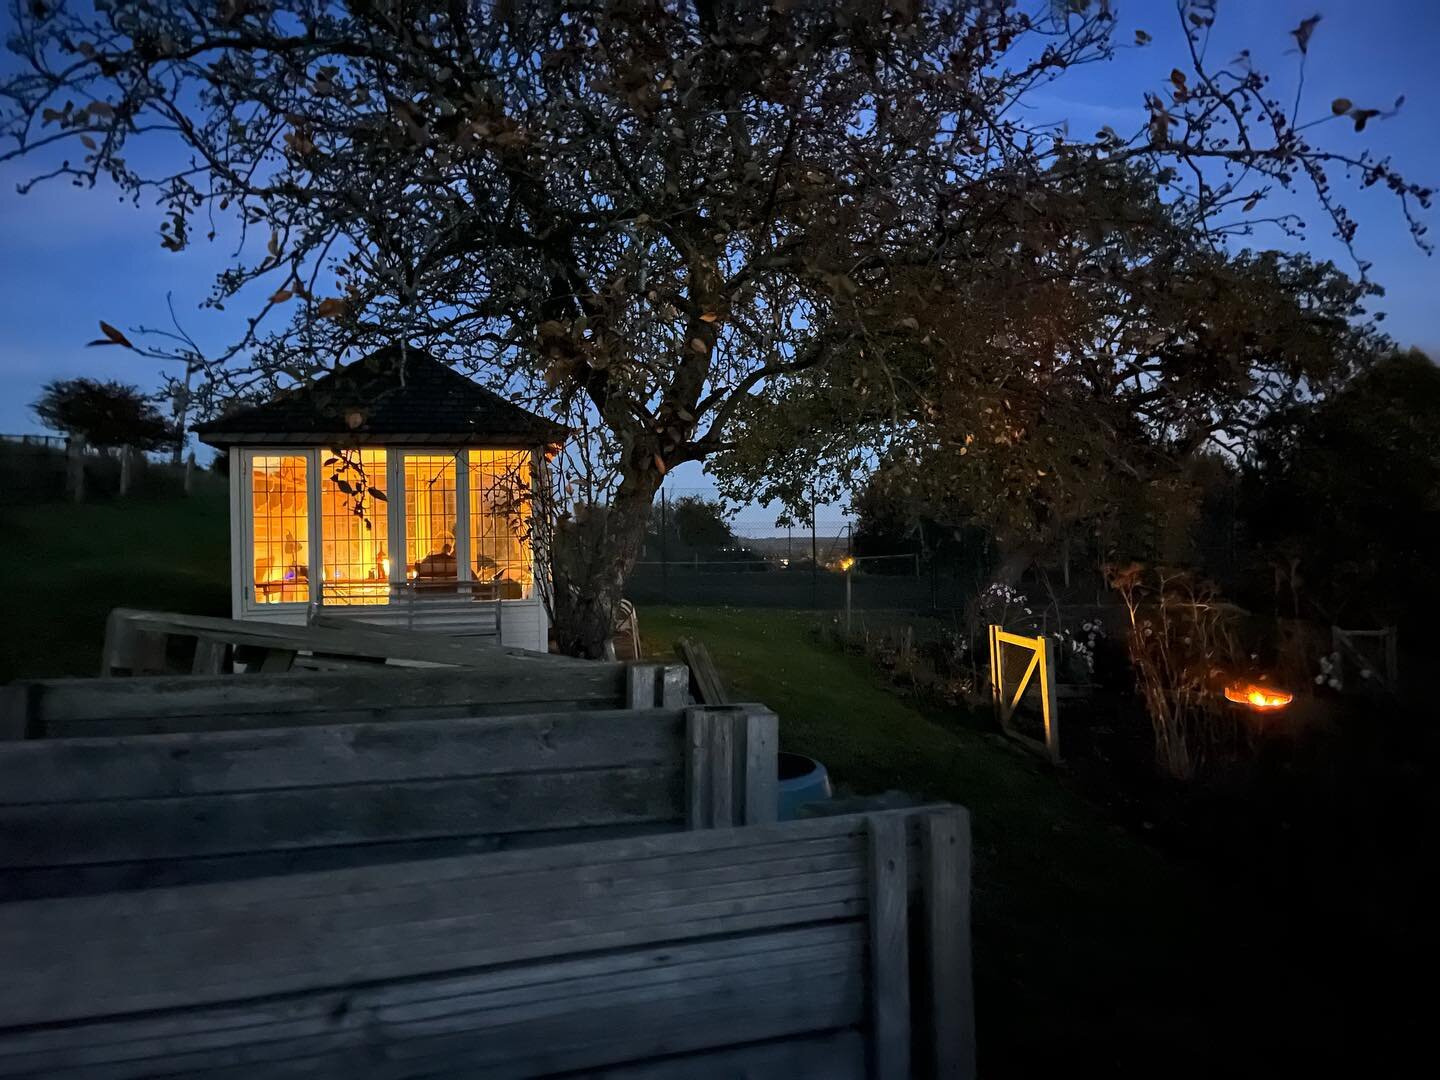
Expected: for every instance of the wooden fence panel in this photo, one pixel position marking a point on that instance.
(51, 708)
(693, 954)
(82, 814)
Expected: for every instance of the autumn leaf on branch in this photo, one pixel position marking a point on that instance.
(112, 337)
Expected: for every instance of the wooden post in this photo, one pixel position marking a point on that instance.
(848, 569)
(126, 463)
(664, 549)
(889, 948)
(731, 772)
(761, 782)
(945, 841)
(75, 468)
(1048, 703)
(674, 686)
(190, 472)
(640, 686)
(814, 561)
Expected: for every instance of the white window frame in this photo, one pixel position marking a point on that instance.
(242, 529)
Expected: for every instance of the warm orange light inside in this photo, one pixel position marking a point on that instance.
(846, 563)
(1257, 696)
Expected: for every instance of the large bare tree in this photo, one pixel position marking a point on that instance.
(642, 215)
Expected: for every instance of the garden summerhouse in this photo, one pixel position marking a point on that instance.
(392, 489)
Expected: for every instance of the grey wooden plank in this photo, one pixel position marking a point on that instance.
(945, 839)
(209, 658)
(635, 857)
(191, 763)
(762, 769)
(66, 700)
(55, 834)
(831, 860)
(569, 1012)
(89, 956)
(33, 883)
(697, 769)
(250, 721)
(112, 976)
(607, 1034)
(838, 1055)
(725, 748)
(705, 677)
(889, 948)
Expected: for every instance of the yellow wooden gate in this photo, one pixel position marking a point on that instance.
(1006, 692)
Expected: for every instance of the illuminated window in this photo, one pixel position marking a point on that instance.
(500, 524)
(354, 527)
(280, 526)
(430, 521)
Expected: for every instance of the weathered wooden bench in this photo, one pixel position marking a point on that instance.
(139, 643)
(51, 708)
(786, 951)
(83, 814)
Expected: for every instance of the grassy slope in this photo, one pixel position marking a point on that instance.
(66, 566)
(1087, 948)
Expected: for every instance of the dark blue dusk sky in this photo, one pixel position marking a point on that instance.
(70, 257)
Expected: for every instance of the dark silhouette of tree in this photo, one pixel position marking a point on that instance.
(105, 414)
(1343, 499)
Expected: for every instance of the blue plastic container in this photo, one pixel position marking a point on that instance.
(802, 780)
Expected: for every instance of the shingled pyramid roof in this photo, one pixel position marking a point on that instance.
(386, 398)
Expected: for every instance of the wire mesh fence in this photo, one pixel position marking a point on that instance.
(695, 555)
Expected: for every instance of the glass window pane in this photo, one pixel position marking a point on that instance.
(354, 527)
(500, 524)
(280, 516)
(430, 521)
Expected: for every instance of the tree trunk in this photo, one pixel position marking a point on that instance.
(592, 559)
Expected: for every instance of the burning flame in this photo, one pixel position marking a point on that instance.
(846, 563)
(1257, 696)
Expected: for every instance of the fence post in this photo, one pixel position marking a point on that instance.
(189, 472)
(664, 548)
(814, 562)
(848, 570)
(75, 468)
(125, 466)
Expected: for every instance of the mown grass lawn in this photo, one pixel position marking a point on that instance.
(1094, 953)
(63, 567)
